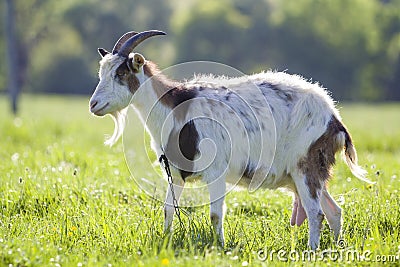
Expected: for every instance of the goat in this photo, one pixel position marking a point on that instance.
(294, 128)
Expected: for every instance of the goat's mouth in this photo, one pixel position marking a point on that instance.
(98, 112)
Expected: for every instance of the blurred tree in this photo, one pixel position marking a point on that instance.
(3, 68)
(69, 75)
(330, 41)
(340, 43)
(390, 27)
(13, 83)
(351, 47)
(214, 31)
(94, 26)
(85, 26)
(27, 24)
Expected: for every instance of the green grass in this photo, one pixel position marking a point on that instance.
(67, 200)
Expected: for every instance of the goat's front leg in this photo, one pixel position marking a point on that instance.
(169, 208)
(217, 206)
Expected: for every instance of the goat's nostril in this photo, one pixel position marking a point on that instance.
(93, 104)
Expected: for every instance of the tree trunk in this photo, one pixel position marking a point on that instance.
(12, 55)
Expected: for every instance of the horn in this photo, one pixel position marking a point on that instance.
(132, 42)
(122, 40)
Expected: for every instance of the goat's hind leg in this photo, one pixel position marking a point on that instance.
(310, 199)
(332, 212)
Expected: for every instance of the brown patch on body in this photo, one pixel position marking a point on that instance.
(182, 145)
(182, 148)
(317, 164)
(171, 93)
(161, 84)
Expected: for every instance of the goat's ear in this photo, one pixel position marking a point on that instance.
(137, 62)
(102, 52)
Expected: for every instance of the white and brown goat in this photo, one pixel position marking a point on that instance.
(294, 122)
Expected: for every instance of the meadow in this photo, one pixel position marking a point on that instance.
(68, 200)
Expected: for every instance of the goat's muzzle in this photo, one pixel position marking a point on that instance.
(98, 108)
(92, 104)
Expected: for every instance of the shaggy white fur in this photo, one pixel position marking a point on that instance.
(261, 127)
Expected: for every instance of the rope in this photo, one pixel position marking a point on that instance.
(164, 161)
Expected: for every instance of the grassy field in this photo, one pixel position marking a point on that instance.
(67, 200)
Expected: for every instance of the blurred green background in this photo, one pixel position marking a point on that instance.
(67, 200)
(350, 47)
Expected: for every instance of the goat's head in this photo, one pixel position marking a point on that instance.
(121, 74)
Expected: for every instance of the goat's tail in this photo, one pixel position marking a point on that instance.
(350, 157)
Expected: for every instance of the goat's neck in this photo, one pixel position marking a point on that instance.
(156, 115)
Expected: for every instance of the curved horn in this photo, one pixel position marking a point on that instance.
(122, 40)
(132, 42)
